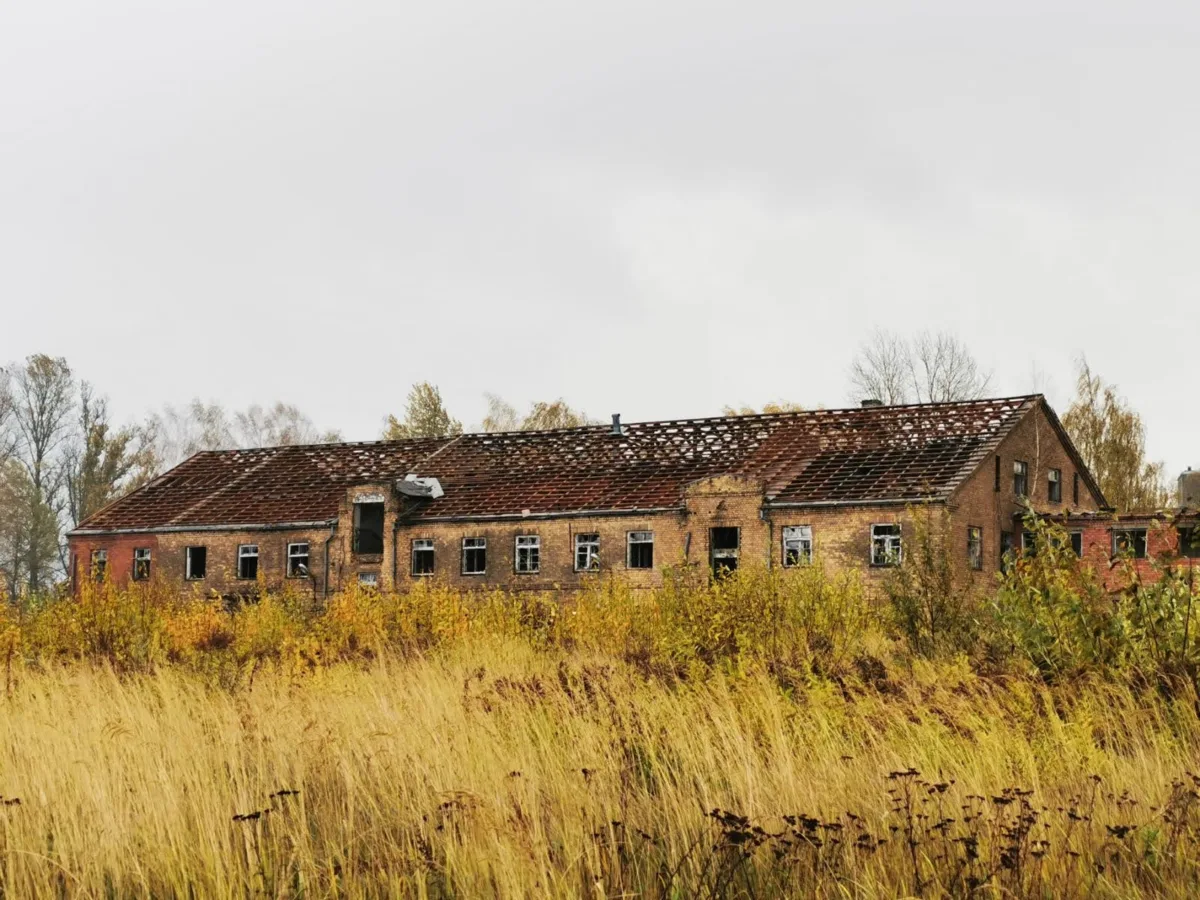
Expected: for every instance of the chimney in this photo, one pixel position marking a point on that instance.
(1189, 489)
(616, 425)
(871, 402)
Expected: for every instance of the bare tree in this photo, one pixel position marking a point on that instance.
(7, 438)
(882, 370)
(425, 416)
(932, 367)
(44, 395)
(278, 426)
(775, 406)
(943, 370)
(501, 415)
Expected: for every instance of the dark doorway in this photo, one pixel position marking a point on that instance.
(725, 544)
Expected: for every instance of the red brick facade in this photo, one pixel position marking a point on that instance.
(673, 485)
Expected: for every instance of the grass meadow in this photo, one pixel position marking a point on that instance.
(773, 735)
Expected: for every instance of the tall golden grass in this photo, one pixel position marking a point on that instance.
(764, 737)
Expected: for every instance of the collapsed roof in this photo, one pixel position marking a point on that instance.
(817, 457)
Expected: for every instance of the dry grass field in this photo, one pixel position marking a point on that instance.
(618, 745)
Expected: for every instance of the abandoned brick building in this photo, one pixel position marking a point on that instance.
(546, 509)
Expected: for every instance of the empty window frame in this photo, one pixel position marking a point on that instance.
(528, 554)
(1020, 478)
(423, 559)
(640, 550)
(975, 547)
(997, 485)
(1075, 489)
(587, 552)
(247, 562)
(886, 549)
(141, 563)
(368, 528)
(1028, 543)
(297, 559)
(1054, 486)
(368, 579)
(1006, 550)
(1077, 543)
(99, 564)
(195, 563)
(474, 556)
(1189, 542)
(725, 545)
(797, 545)
(1129, 542)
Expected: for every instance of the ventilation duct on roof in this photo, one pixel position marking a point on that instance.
(416, 486)
(616, 425)
(871, 402)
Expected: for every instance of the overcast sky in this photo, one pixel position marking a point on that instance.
(655, 208)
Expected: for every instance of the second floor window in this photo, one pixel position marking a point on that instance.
(1075, 488)
(1129, 542)
(474, 556)
(528, 553)
(641, 550)
(368, 528)
(195, 563)
(886, 549)
(797, 545)
(247, 561)
(422, 556)
(1054, 486)
(141, 563)
(587, 552)
(975, 547)
(1020, 478)
(297, 561)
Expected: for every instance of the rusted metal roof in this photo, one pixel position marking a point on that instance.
(860, 455)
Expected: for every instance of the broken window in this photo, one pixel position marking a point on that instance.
(725, 544)
(1020, 478)
(1075, 489)
(195, 563)
(368, 528)
(1054, 486)
(528, 554)
(587, 552)
(368, 579)
(975, 547)
(99, 564)
(1006, 550)
(474, 556)
(885, 545)
(1189, 542)
(247, 561)
(422, 556)
(1129, 542)
(297, 560)
(1028, 543)
(641, 550)
(141, 563)
(797, 545)
(1077, 543)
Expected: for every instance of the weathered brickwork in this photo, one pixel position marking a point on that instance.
(838, 472)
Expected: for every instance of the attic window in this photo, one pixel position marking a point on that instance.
(1020, 478)
(1054, 486)
(368, 528)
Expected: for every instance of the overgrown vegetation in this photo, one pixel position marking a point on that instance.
(772, 734)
